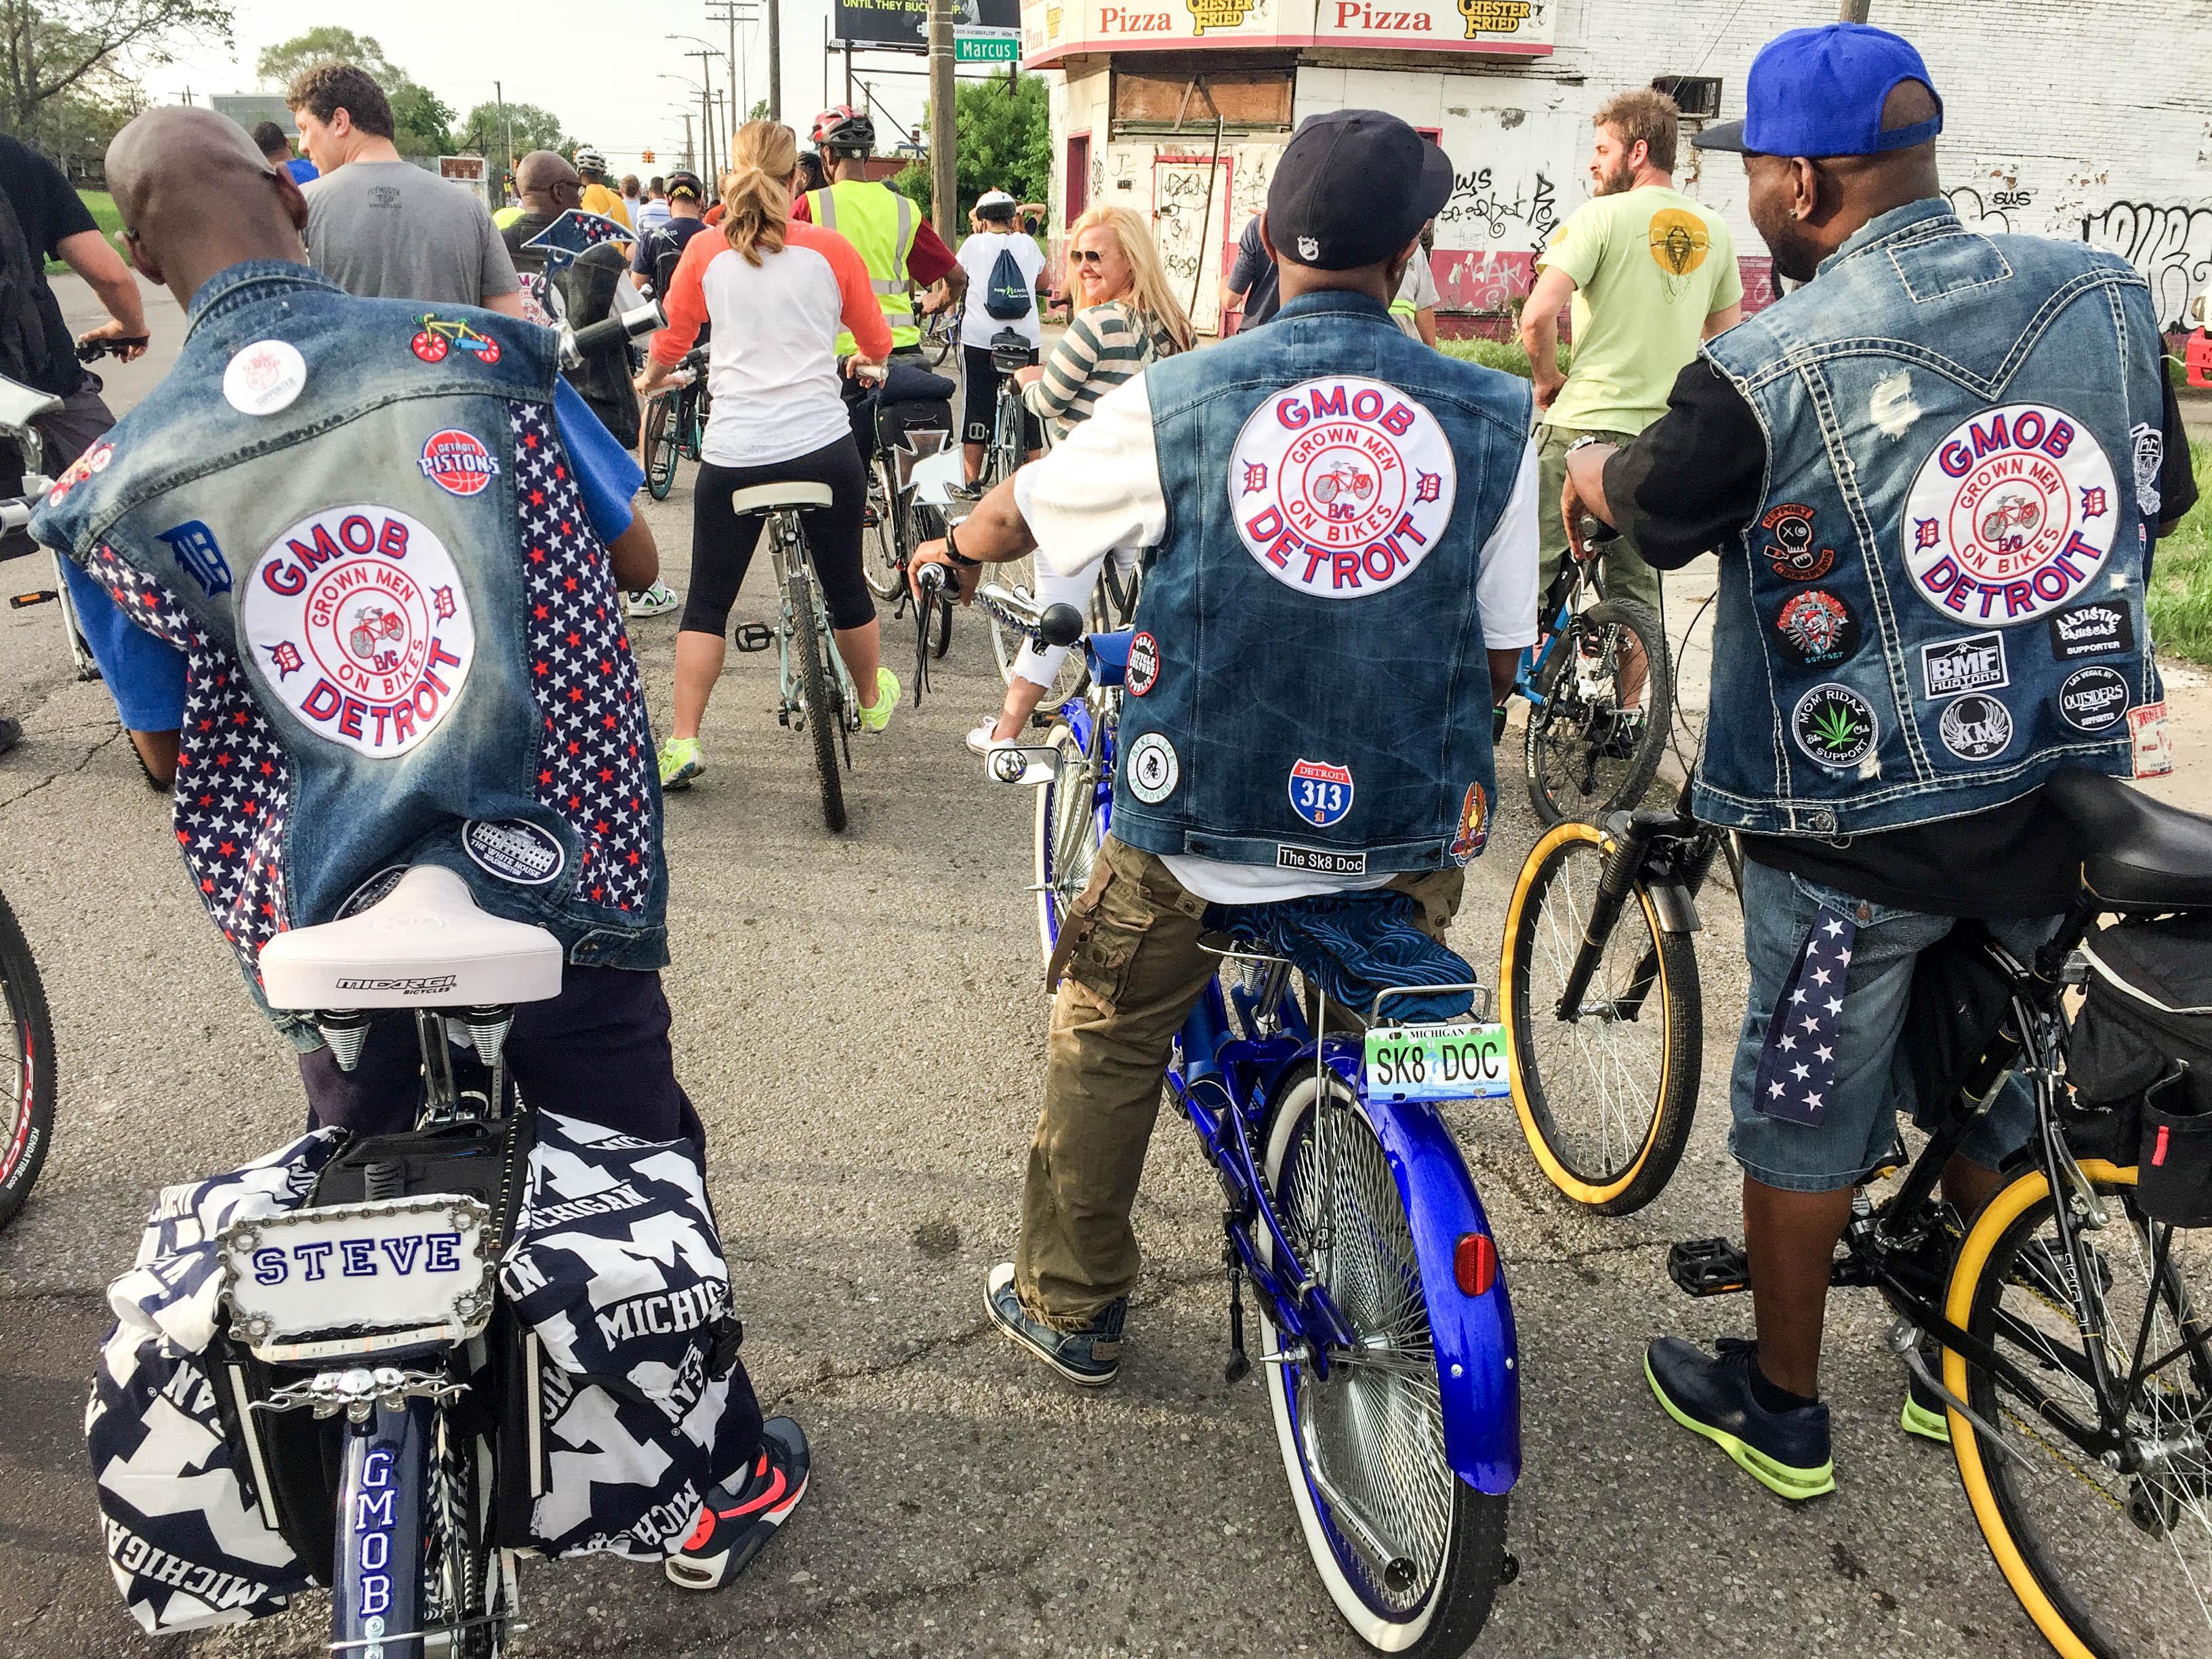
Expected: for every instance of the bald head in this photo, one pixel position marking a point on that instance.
(195, 196)
(546, 183)
(1806, 208)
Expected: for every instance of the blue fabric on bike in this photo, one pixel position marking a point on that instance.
(1110, 652)
(143, 674)
(1353, 945)
(483, 676)
(1796, 1075)
(1940, 601)
(608, 476)
(1321, 699)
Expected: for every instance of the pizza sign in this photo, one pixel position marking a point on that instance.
(2011, 516)
(1340, 486)
(357, 620)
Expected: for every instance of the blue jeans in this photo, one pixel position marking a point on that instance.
(1873, 1082)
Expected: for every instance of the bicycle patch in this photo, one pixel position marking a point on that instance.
(2093, 699)
(1321, 793)
(1152, 769)
(1792, 554)
(438, 337)
(457, 462)
(1816, 627)
(1975, 727)
(2011, 515)
(513, 849)
(1835, 726)
(1143, 672)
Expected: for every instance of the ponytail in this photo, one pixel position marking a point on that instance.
(756, 188)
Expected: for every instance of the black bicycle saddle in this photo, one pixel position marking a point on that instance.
(2144, 854)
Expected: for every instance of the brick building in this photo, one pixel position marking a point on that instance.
(2035, 141)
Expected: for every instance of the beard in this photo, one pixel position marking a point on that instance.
(1615, 180)
(1795, 255)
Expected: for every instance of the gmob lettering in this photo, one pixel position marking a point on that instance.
(324, 703)
(357, 533)
(1365, 404)
(1378, 562)
(1953, 587)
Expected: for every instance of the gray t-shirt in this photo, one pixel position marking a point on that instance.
(391, 230)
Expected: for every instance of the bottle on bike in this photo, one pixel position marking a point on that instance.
(781, 292)
(391, 579)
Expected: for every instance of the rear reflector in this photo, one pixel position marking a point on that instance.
(1474, 1263)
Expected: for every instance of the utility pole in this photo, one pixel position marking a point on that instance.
(1852, 11)
(942, 136)
(775, 60)
(506, 142)
(690, 161)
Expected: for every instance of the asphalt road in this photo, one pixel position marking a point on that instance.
(860, 1021)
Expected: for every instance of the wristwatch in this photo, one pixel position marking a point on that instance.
(960, 561)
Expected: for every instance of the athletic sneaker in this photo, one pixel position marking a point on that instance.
(887, 695)
(735, 1526)
(1091, 1356)
(656, 601)
(1787, 1452)
(981, 742)
(1925, 1413)
(680, 762)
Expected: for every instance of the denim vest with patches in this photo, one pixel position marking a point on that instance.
(404, 641)
(1308, 684)
(1940, 600)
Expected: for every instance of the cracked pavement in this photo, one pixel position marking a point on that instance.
(860, 1022)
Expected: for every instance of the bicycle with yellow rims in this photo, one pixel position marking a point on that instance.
(1603, 1026)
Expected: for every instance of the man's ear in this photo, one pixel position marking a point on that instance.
(1403, 262)
(294, 199)
(140, 258)
(1264, 240)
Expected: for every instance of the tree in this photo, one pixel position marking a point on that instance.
(277, 64)
(419, 120)
(1002, 141)
(487, 132)
(53, 47)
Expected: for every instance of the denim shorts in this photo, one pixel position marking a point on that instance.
(1873, 1082)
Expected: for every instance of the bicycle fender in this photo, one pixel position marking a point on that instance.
(1678, 911)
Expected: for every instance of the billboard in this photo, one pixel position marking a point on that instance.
(906, 22)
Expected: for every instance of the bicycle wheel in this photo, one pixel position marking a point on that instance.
(1588, 752)
(27, 1087)
(1605, 1093)
(1066, 839)
(881, 561)
(463, 1583)
(2109, 1564)
(1410, 1553)
(662, 442)
(816, 688)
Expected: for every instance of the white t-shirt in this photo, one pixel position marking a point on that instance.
(976, 256)
(1099, 490)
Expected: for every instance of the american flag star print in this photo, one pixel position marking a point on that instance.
(234, 790)
(1797, 1068)
(594, 743)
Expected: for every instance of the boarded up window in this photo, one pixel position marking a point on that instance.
(1152, 99)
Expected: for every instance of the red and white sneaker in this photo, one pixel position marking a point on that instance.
(735, 1526)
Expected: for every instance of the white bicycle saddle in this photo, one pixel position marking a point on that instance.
(801, 494)
(425, 945)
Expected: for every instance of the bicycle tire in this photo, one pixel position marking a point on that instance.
(1564, 730)
(461, 1577)
(1545, 925)
(27, 1126)
(1467, 1544)
(1987, 1296)
(1065, 839)
(884, 562)
(824, 716)
(662, 443)
(943, 643)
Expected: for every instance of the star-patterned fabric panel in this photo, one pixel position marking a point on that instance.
(596, 742)
(233, 792)
(1797, 1068)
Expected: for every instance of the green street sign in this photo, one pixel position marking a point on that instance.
(986, 45)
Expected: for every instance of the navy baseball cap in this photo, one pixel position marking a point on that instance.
(1352, 187)
(1819, 92)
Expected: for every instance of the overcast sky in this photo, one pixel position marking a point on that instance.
(597, 67)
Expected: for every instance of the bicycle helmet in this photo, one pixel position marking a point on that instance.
(590, 160)
(682, 183)
(844, 129)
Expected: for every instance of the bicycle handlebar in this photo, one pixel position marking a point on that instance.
(575, 342)
(1052, 625)
(91, 351)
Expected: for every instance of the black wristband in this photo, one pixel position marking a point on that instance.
(960, 561)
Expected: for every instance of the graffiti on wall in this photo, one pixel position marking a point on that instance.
(1483, 205)
(2169, 244)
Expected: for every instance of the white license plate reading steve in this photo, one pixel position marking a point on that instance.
(396, 1264)
(1437, 1062)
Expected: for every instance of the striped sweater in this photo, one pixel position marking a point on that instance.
(1104, 345)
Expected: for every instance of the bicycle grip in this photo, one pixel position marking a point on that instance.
(933, 580)
(1060, 625)
(643, 320)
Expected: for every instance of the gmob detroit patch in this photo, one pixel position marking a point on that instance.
(1340, 486)
(356, 617)
(2011, 516)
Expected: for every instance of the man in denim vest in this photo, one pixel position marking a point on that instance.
(386, 545)
(1341, 544)
(1934, 475)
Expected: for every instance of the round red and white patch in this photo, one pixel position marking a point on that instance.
(1340, 486)
(2011, 516)
(457, 462)
(356, 618)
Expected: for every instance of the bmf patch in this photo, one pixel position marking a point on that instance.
(2011, 516)
(1340, 486)
(196, 551)
(1975, 663)
(1321, 793)
(361, 614)
(457, 462)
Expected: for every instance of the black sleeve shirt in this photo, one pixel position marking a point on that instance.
(50, 212)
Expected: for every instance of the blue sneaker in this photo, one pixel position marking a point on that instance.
(1090, 1356)
(1786, 1452)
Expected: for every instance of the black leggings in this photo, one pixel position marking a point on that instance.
(722, 542)
(980, 378)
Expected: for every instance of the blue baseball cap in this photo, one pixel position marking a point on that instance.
(1819, 92)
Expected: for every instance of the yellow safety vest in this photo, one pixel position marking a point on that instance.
(880, 224)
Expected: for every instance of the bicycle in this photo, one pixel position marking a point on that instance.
(27, 1101)
(675, 423)
(2076, 1363)
(817, 692)
(901, 519)
(1387, 1337)
(941, 334)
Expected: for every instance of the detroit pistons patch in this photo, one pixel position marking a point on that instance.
(1321, 793)
(2011, 516)
(457, 462)
(1340, 486)
(356, 618)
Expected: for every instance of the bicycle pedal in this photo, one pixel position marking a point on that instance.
(40, 596)
(1708, 1267)
(753, 636)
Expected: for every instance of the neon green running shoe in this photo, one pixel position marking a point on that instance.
(1787, 1452)
(680, 762)
(1925, 1413)
(887, 695)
